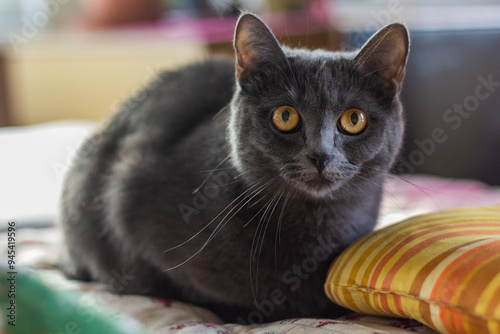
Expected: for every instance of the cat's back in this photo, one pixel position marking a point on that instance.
(168, 109)
(177, 101)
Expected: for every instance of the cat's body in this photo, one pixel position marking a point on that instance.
(188, 194)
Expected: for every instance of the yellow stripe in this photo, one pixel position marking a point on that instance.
(412, 267)
(360, 249)
(494, 326)
(496, 313)
(463, 286)
(410, 229)
(466, 324)
(377, 255)
(428, 285)
(435, 248)
(485, 297)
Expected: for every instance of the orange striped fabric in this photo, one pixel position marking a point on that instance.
(442, 269)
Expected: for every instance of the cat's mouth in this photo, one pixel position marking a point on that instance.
(319, 181)
(323, 183)
(319, 184)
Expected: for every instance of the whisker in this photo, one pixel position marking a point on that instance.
(220, 112)
(241, 205)
(241, 174)
(269, 215)
(220, 213)
(263, 207)
(280, 192)
(252, 254)
(210, 174)
(254, 204)
(266, 225)
(206, 243)
(223, 185)
(267, 206)
(278, 227)
(420, 188)
(182, 263)
(383, 190)
(214, 170)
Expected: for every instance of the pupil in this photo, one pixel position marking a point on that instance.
(285, 116)
(354, 118)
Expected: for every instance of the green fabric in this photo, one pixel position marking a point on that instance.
(42, 309)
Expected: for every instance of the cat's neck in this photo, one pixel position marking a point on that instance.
(303, 221)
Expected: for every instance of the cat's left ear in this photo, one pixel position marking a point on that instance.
(385, 55)
(255, 47)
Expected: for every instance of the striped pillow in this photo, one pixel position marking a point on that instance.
(442, 269)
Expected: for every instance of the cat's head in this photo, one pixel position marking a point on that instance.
(316, 120)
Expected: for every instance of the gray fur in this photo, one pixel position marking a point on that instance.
(255, 241)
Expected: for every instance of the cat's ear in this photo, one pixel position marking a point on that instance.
(255, 46)
(385, 55)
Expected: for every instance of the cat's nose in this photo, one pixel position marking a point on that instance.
(320, 160)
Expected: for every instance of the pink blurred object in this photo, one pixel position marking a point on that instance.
(409, 195)
(219, 30)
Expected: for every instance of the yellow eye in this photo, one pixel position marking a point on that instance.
(286, 118)
(353, 121)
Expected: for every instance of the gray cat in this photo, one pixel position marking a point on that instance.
(234, 189)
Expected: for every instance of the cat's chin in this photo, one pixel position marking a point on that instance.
(318, 186)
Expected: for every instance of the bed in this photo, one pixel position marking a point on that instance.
(35, 160)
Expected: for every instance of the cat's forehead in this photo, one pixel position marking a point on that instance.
(318, 58)
(324, 77)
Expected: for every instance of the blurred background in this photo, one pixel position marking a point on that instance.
(79, 59)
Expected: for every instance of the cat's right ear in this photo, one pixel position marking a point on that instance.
(255, 47)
